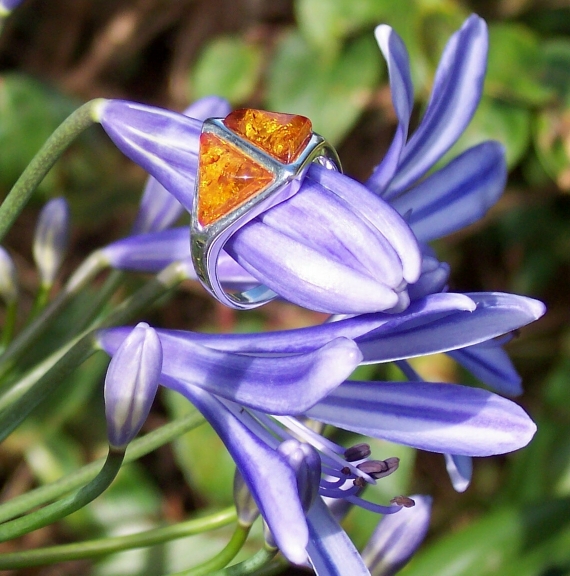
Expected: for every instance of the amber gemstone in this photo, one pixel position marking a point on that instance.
(283, 136)
(226, 178)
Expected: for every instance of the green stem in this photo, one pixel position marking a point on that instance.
(84, 346)
(223, 558)
(9, 323)
(91, 312)
(42, 162)
(136, 449)
(106, 546)
(31, 333)
(41, 301)
(68, 505)
(251, 565)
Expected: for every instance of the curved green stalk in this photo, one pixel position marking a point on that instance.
(106, 546)
(251, 565)
(66, 506)
(42, 162)
(136, 449)
(223, 558)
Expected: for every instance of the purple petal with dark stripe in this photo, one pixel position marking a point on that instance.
(458, 85)
(444, 418)
(491, 364)
(277, 385)
(378, 213)
(331, 551)
(267, 474)
(305, 276)
(396, 57)
(308, 339)
(496, 314)
(457, 195)
(164, 143)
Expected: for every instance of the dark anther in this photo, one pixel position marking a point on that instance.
(403, 501)
(357, 452)
(372, 467)
(359, 482)
(346, 471)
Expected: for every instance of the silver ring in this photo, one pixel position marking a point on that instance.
(213, 224)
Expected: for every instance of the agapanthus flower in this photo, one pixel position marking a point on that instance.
(334, 246)
(360, 252)
(257, 389)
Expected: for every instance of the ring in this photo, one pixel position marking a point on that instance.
(248, 162)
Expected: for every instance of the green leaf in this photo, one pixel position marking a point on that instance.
(515, 65)
(228, 67)
(331, 93)
(324, 24)
(552, 144)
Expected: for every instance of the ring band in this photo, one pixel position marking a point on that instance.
(248, 162)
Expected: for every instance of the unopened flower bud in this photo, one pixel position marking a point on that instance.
(131, 384)
(397, 537)
(50, 240)
(8, 278)
(247, 510)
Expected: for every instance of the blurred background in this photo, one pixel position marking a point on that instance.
(317, 58)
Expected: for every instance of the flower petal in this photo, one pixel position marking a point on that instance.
(491, 364)
(458, 85)
(445, 418)
(308, 339)
(397, 537)
(164, 143)
(460, 470)
(266, 472)
(331, 551)
(154, 251)
(159, 209)
(278, 385)
(131, 384)
(380, 215)
(397, 59)
(457, 195)
(496, 314)
(305, 276)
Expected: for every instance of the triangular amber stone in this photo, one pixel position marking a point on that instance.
(226, 178)
(282, 136)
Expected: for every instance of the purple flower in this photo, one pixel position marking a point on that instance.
(334, 246)
(51, 238)
(131, 384)
(255, 390)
